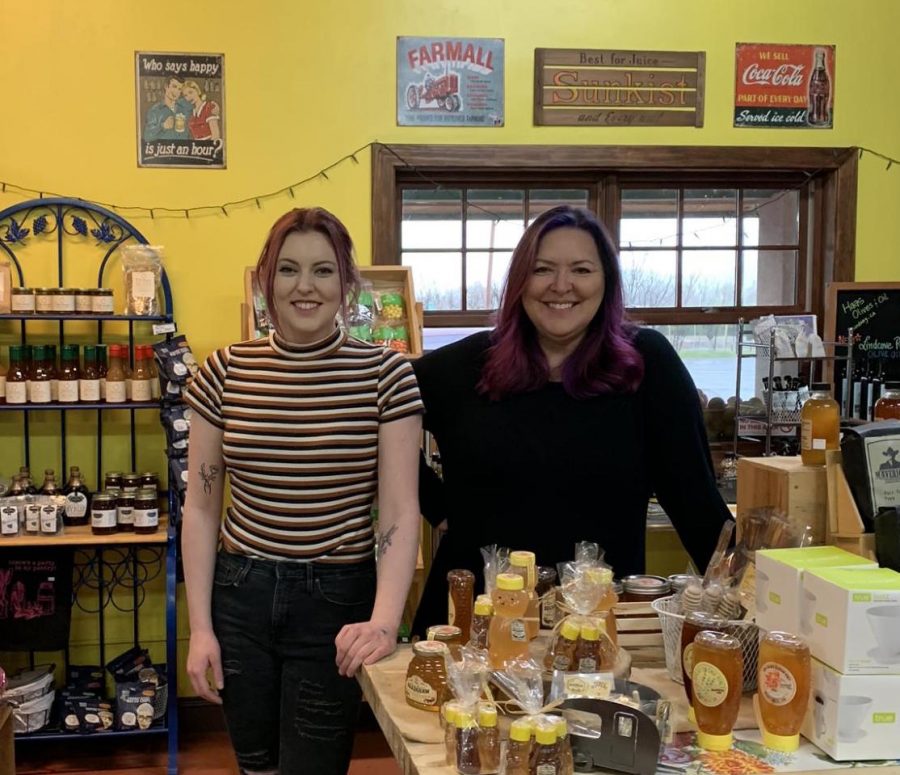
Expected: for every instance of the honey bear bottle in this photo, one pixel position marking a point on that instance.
(507, 637)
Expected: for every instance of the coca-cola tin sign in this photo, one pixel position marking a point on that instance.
(784, 86)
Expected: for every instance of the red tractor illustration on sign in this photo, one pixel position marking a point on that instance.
(443, 90)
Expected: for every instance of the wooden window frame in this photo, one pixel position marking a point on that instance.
(831, 174)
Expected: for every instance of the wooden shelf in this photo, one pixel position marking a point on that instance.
(81, 535)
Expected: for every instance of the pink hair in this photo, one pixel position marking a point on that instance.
(605, 361)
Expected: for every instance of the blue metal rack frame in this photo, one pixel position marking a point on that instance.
(39, 219)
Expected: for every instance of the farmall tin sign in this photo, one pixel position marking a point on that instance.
(784, 86)
(450, 81)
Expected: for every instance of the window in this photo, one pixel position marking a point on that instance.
(706, 235)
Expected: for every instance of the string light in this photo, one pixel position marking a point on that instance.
(6, 186)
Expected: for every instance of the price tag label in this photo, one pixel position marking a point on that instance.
(163, 328)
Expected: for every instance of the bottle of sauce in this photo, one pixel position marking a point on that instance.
(888, 406)
(481, 621)
(546, 593)
(52, 370)
(77, 499)
(126, 365)
(783, 693)
(819, 425)
(103, 514)
(39, 382)
(694, 622)
(518, 750)
(467, 760)
(89, 379)
(546, 755)
(49, 487)
(115, 375)
(507, 638)
(461, 591)
(140, 378)
(561, 654)
(146, 511)
(68, 375)
(717, 683)
(488, 739)
(150, 360)
(16, 377)
(102, 368)
(2, 383)
(525, 564)
(566, 758)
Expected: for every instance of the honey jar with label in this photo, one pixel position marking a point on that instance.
(426, 676)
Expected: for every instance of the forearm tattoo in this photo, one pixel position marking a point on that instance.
(383, 539)
(208, 477)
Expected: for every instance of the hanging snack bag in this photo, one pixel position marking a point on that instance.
(142, 265)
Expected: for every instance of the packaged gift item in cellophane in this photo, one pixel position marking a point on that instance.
(392, 322)
(142, 265)
(361, 315)
(580, 642)
(471, 731)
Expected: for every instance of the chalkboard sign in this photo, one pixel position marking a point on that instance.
(873, 310)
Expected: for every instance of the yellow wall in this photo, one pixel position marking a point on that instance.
(308, 82)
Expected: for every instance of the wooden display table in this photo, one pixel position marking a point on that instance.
(419, 747)
(82, 536)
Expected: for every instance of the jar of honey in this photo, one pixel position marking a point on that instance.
(717, 682)
(888, 406)
(819, 425)
(783, 681)
(694, 623)
(448, 634)
(461, 595)
(146, 511)
(426, 676)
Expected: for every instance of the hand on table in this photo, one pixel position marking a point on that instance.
(363, 643)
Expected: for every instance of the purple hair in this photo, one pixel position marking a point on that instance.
(605, 361)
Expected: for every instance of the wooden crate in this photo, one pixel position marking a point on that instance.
(640, 633)
(786, 485)
(381, 278)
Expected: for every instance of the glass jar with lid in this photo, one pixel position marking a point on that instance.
(64, 301)
(102, 301)
(643, 588)
(103, 514)
(146, 511)
(426, 676)
(22, 301)
(43, 300)
(84, 301)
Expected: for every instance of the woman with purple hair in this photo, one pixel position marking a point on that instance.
(558, 425)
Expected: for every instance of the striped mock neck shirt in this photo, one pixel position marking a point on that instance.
(300, 441)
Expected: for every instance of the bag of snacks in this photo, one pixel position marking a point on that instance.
(142, 265)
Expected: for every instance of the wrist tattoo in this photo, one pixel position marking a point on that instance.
(208, 477)
(383, 540)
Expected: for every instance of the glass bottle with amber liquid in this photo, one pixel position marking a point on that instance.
(49, 487)
(717, 685)
(783, 689)
(16, 377)
(52, 369)
(694, 622)
(39, 381)
(887, 407)
(819, 425)
(468, 761)
(78, 499)
(68, 375)
(26, 481)
(483, 611)
(89, 379)
(461, 592)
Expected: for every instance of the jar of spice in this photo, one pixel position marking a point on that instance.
(43, 300)
(84, 301)
(22, 301)
(102, 301)
(64, 301)
(426, 676)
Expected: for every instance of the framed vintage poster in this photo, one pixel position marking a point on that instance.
(784, 86)
(180, 109)
(450, 82)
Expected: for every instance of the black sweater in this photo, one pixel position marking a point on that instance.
(542, 470)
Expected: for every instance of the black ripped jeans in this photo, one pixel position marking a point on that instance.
(286, 706)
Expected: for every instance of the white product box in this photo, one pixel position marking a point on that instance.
(779, 575)
(851, 619)
(853, 716)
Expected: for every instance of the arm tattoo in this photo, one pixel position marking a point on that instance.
(383, 539)
(208, 477)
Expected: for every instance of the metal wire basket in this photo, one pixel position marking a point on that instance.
(747, 634)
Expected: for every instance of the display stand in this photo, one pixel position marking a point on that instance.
(845, 526)
(119, 559)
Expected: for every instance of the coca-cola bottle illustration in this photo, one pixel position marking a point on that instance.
(817, 114)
